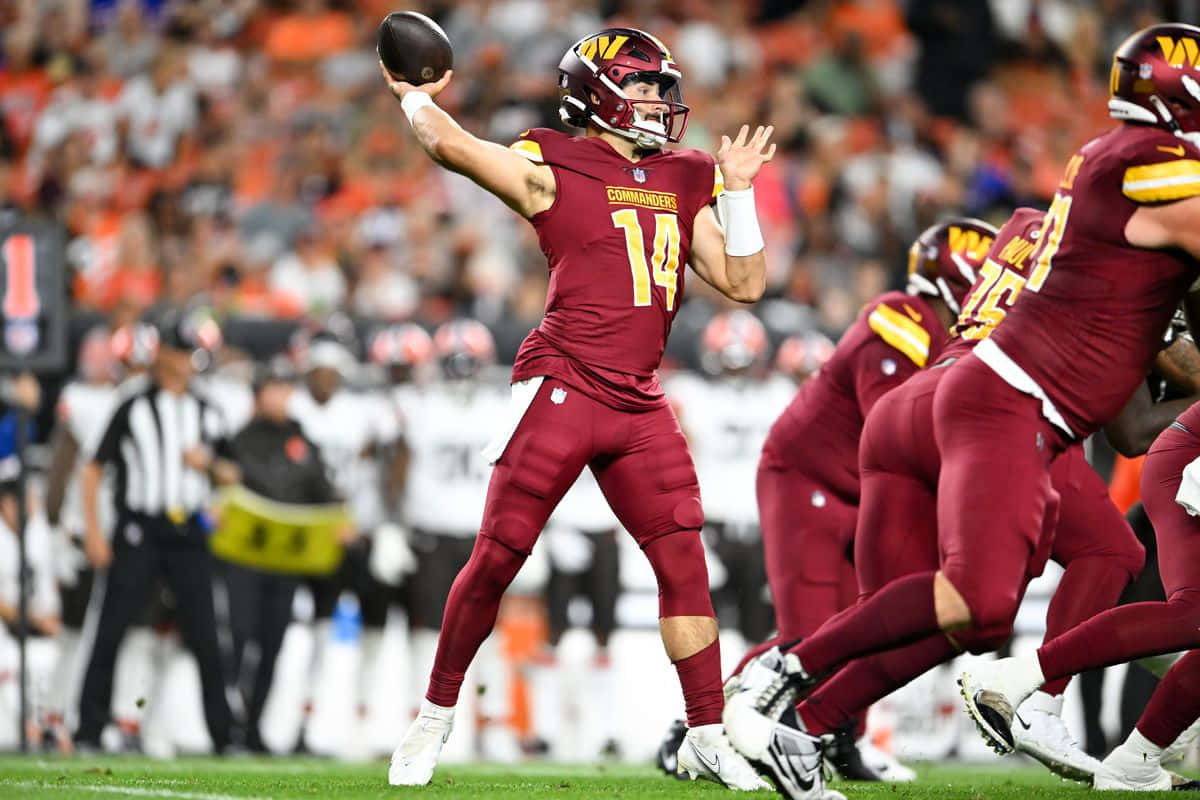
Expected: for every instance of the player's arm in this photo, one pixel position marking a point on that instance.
(1141, 421)
(63, 452)
(1179, 364)
(729, 254)
(526, 187)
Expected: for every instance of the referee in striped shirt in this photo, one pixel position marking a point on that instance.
(161, 443)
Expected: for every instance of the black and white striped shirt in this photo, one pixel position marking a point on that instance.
(145, 440)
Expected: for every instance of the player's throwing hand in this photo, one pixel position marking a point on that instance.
(401, 88)
(740, 160)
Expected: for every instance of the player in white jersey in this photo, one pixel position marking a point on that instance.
(351, 429)
(726, 417)
(82, 411)
(581, 541)
(448, 424)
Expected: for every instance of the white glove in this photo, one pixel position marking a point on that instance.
(391, 557)
(1188, 495)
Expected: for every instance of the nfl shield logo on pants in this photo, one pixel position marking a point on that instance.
(639, 174)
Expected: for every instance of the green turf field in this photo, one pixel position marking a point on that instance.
(209, 779)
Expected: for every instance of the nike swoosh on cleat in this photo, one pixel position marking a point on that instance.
(1024, 724)
(714, 765)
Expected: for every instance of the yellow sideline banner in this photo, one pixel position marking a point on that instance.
(255, 532)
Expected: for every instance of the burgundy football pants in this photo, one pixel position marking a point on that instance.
(643, 466)
(897, 536)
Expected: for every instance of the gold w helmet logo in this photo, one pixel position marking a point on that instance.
(970, 242)
(1179, 52)
(602, 46)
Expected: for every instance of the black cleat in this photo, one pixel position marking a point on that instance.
(842, 754)
(667, 757)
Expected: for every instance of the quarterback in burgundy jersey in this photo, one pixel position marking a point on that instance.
(617, 216)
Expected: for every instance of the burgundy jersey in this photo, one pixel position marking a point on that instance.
(1090, 315)
(896, 335)
(1000, 280)
(617, 239)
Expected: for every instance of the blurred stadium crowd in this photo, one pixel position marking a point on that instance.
(242, 157)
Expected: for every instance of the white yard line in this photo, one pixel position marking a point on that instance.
(129, 791)
(150, 767)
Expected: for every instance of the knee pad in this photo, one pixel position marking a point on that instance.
(679, 567)
(492, 566)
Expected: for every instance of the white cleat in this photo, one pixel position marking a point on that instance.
(991, 692)
(884, 764)
(1041, 733)
(794, 760)
(1179, 747)
(707, 754)
(417, 755)
(1128, 770)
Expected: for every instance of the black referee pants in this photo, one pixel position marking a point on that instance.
(261, 603)
(145, 547)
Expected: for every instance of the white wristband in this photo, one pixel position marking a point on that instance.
(414, 102)
(736, 211)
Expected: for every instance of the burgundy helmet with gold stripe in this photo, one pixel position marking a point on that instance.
(1155, 79)
(946, 257)
(592, 77)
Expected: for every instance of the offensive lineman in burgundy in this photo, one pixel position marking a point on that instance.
(1114, 254)
(617, 216)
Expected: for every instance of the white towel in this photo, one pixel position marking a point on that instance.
(1188, 495)
(523, 393)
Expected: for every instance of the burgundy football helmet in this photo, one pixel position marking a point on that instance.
(1155, 79)
(405, 345)
(463, 347)
(732, 341)
(945, 259)
(590, 80)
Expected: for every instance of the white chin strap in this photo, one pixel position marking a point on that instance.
(919, 284)
(1132, 112)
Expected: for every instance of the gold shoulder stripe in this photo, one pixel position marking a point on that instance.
(528, 148)
(1169, 180)
(718, 181)
(899, 331)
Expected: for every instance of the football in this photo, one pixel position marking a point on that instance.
(414, 48)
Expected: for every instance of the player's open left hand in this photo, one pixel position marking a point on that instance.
(401, 88)
(741, 159)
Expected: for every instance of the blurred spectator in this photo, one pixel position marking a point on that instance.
(158, 108)
(958, 41)
(310, 275)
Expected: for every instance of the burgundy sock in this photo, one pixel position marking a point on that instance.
(700, 679)
(470, 615)
(1089, 586)
(899, 613)
(849, 693)
(1175, 704)
(1123, 634)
